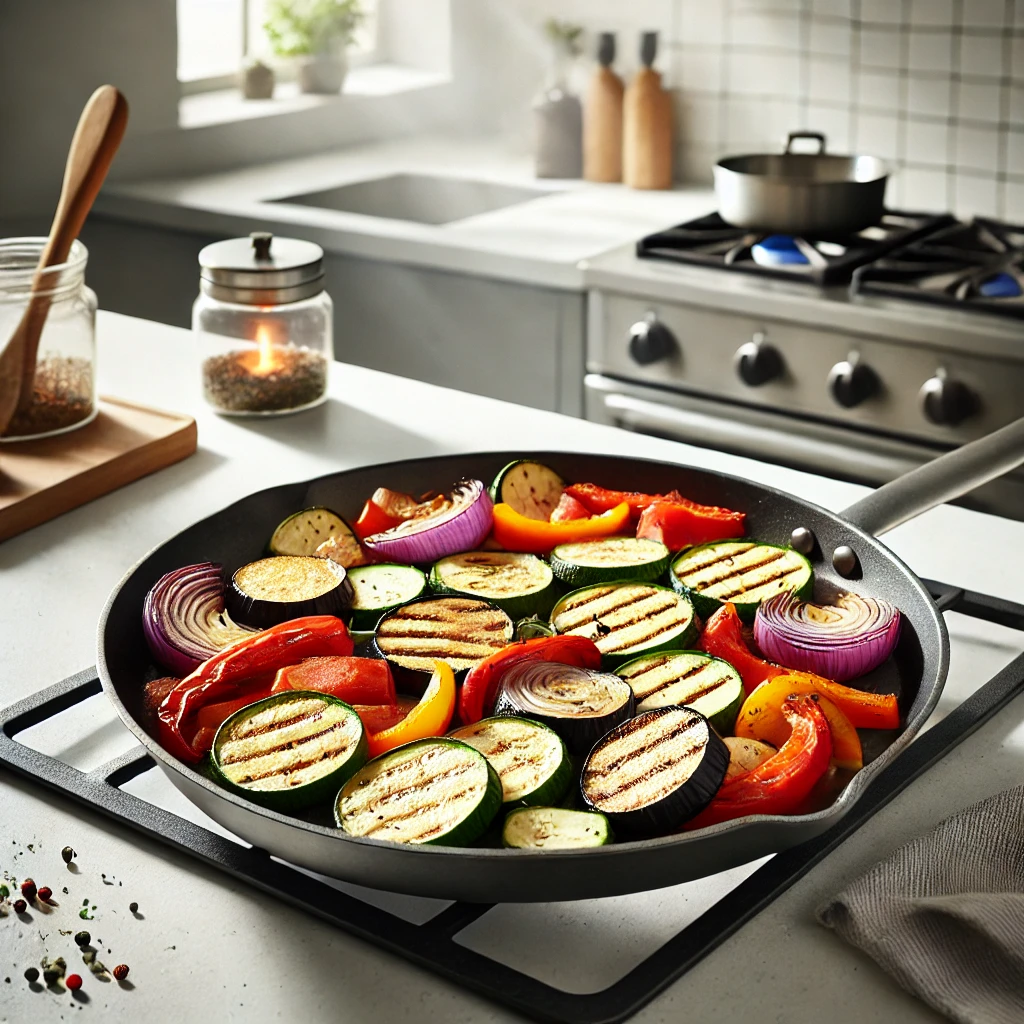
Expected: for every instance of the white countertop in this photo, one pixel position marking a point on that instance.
(211, 948)
(540, 241)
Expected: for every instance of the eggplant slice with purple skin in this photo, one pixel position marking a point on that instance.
(274, 590)
(656, 771)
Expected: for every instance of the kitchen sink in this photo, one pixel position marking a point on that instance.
(424, 198)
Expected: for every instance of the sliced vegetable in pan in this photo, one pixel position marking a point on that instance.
(436, 791)
(679, 523)
(274, 590)
(555, 828)
(745, 755)
(377, 589)
(519, 584)
(321, 532)
(583, 563)
(515, 532)
(429, 717)
(353, 680)
(530, 488)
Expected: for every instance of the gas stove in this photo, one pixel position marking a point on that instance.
(868, 358)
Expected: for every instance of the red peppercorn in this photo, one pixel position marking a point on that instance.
(121, 972)
(45, 892)
(28, 889)
(73, 982)
(20, 906)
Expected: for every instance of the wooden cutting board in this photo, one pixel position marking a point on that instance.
(41, 479)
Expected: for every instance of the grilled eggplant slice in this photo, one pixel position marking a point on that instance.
(458, 630)
(579, 704)
(627, 619)
(608, 560)
(437, 791)
(530, 759)
(521, 585)
(706, 684)
(656, 771)
(741, 571)
(321, 532)
(555, 828)
(379, 588)
(289, 750)
(274, 590)
(529, 488)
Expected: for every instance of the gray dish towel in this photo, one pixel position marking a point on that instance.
(944, 915)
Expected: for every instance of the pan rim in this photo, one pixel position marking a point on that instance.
(822, 818)
(881, 168)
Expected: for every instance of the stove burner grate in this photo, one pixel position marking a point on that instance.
(434, 943)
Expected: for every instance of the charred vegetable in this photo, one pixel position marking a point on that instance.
(609, 560)
(519, 584)
(274, 590)
(379, 588)
(555, 828)
(530, 488)
(581, 705)
(656, 771)
(321, 532)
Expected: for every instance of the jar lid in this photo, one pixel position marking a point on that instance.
(261, 270)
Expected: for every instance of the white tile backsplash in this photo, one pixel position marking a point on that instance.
(984, 13)
(928, 96)
(829, 81)
(975, 196)
(931, 12)
(881, 10)
(981, 55)
(832, 38)
(880, 48)
(877, 89)
(927, 190)
(877, 134)
(931, 51)
(979, 101)
(928, 137)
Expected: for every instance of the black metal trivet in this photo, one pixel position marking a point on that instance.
(432, 944)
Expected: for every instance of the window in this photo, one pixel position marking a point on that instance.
(215, 37)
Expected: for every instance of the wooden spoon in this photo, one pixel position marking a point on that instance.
(99, 133)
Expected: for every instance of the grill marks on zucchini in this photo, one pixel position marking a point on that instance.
(622, 618)
(583, 563)
(432, 791)
(519, 584)
(458, 630)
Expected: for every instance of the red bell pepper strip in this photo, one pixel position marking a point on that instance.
(378, 717)
(430, 717)
(782, 783)
(600, 499)
(213, 716)
(515, 532)
(568, 509)
(246, 668)
(723, 637)
(373, 519)
(481, 684)
(353, 680)
(680, 523)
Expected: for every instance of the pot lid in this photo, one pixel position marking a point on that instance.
(261, 268)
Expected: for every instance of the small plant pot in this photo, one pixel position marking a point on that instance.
(322, 74)
(257, 81)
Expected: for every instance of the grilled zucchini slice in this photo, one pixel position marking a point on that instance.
(437, 791)
(706, 684)
(521, 585)
(289, 750)
(656, 771)
(627, 619)
(458, 630)
(318, 531)
(273, 590)
(744, 572)
(609, 559)
(529, 488)
(379, 588)
(530, 759)
(555, 828)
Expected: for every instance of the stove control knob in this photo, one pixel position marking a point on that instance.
(757, 362)
(946, 401)
(650, 340)
(852, 382)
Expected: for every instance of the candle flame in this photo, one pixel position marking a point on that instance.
(266, 360)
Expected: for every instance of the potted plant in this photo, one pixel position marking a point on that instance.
(316, 33)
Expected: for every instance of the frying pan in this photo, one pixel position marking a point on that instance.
(844, 552)
(814, 195)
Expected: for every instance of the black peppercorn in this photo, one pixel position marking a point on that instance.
(67, 854)
(83, 938)
(133, 907)
(31, 975)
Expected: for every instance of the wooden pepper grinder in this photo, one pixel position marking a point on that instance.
(602, 117)
(647, 124)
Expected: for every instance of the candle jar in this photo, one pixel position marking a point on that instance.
(262, 324)
(63, 393)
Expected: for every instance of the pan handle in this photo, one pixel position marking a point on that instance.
(816, 136)
(944, 478)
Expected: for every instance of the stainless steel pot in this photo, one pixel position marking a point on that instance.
(813, 195)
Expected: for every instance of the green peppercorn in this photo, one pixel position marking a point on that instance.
(4, 891)
(67, 854)
(31, 975)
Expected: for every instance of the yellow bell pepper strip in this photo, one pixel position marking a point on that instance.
(761, 718)
(782, 783)
(430, 717)
(516, 532)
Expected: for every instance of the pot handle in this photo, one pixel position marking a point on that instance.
(816, 136)
(949, 476)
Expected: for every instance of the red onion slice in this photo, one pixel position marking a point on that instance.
(461, 526)
(839, 641)
(184, 619)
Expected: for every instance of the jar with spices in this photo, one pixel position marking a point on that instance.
(262, 324)
(64, 387)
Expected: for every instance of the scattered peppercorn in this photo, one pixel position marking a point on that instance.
(73, 982)
(89, 955)
(83, 938)
(67, 854)
(31, 975)
(20, 906)
(4, 892)
(28, 889)
(45, 893)
(133, 907)
(53, 970)
(121, 972)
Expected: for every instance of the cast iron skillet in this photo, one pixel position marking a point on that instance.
(238, 533)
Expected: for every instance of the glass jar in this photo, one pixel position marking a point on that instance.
(63, 395)
(262, 324)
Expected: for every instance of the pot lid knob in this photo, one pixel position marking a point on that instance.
(261, 244)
